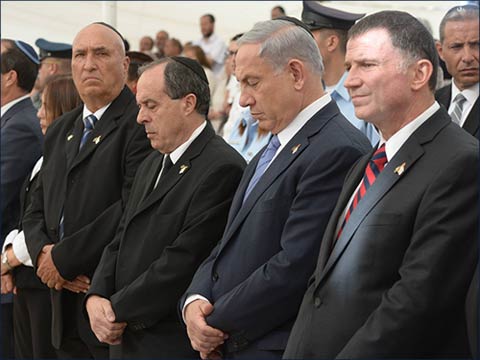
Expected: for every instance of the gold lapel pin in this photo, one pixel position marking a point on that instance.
(183, 168)
(69, 137)
(400, 169)
(97, 139)
(295, 148)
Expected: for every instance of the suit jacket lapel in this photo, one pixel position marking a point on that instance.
(105, 126)
(472, 122)
(73, 138)
(352, 180)
(180, 169)
(404, 159)
(242, 187)
(280, 164)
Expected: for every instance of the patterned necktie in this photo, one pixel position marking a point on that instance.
(373, 169)
(89, 125)
(456, 114)
(262, 165)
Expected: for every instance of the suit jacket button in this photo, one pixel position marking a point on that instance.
(215, 277)
(317, 302)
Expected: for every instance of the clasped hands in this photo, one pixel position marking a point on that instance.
(203, 338)
(102, 320)
(48, 273)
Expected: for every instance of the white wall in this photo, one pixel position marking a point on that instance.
(61, 20)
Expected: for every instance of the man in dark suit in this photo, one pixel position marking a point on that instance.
(458, 47)
(400, 248)
(91, 155)
(176, 220)
(21, 146)
(251, 285)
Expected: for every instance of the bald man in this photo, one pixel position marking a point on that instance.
(90, 159)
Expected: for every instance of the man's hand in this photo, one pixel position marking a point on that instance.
(203, 337)
(102, 320)
(12, 260)
(47, 271)
(8, 285)
(80, 284)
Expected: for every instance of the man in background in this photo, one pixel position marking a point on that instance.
(213, 46)
(330, 27)
(55, 59)
(21, 146)
(137, 60)
(458, 47)
(160, 40)
(277, 12)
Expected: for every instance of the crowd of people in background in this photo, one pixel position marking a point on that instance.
(306, 190)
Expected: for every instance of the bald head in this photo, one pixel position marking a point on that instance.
(99, 65)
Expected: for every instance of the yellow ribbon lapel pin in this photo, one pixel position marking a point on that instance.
(400, 169)
(183, 168)
(295, 148)
(97, 139)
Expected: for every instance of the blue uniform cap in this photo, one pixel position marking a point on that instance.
(53, 49)
(317, 16)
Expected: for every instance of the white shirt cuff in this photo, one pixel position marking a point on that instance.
(20, 250)
(189, 300)
(9, 239)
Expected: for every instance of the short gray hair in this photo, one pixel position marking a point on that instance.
(280, 41)
(458, 13)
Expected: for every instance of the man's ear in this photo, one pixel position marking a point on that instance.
(189, 103)
(296, 68)
(423, 70)
(439, 47)
(11, 78)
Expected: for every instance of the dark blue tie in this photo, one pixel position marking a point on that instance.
(262, 165)
(89, 125)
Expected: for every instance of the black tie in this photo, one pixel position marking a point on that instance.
(166, 165)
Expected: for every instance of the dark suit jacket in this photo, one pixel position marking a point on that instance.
(164, 236)
(471, 125)
(472, 315)
(25, 276)
(256, 276)
(21, 146)
(394, 284)
(90, 187)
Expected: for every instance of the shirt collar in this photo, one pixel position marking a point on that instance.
(340, 89)
(301, 119)
(98, 114)
(179, 151)
(401, 136)
(8, 105)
